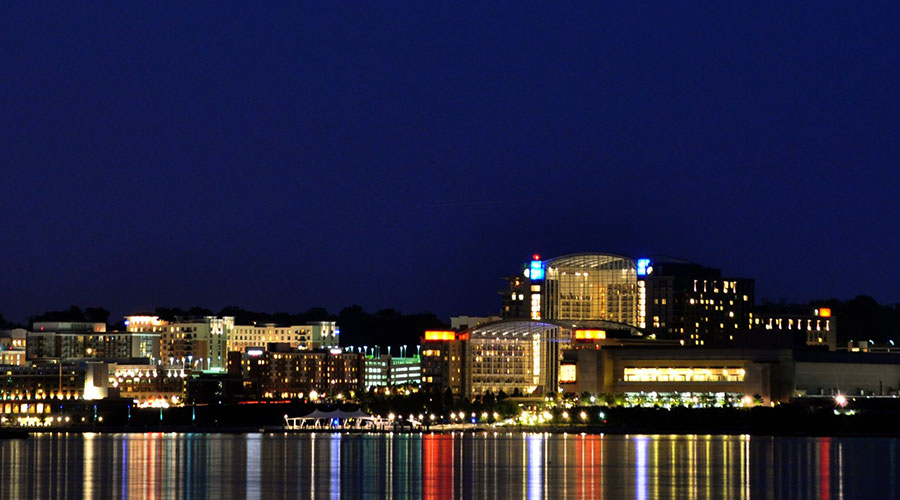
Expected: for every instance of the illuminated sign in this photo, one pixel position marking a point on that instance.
(590, 334)
(536, 270)
(567, 374)
(644, 267)
(254, 352)
(440, 335)
(825, 312)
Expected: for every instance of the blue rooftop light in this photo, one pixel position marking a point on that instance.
(536, 270)
(643, 267)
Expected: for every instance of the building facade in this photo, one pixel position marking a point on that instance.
(443, 360)
(730, 375)
(200, 343)
(249, 336)
(816, 329)
(149, 384)
(512, 357)
(291, 374)
(695, 304)
(386, 371)
(312, 336)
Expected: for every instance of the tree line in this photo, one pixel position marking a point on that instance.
(358, 327)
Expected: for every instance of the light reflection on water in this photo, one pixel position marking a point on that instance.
(504, 465)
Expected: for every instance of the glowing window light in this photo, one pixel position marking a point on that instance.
(825, 312)
(440, 335)
(590, 334)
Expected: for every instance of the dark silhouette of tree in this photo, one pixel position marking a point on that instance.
(74, 313)
(169, 314)
(319, 314)
(199, 312)
(6, 325)
(96, 315)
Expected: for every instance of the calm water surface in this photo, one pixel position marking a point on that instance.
(485, 465)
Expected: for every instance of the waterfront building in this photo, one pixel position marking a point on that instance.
(516, 298)
(70, 340)
(516, 356)
(323, 335)
(43, 383)
(579, 287)
(13, 357)
(74, 345)
(812, 328)
(149, 384)
(513, 357)
(658, 298)
(12, 346)
(41, 345)
(727, 375)
(443, 360)
(283, 373)
(68, 326)
(695, 304)
(199, 343)
(316, 335)
(386, 370)
(13, 339)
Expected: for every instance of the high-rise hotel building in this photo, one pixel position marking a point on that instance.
(580, 287)
(200, 343)
(662, 297)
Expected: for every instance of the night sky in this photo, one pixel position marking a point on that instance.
(410, 155)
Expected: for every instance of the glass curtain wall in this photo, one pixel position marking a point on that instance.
(589, 287)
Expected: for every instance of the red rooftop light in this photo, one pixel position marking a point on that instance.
(535, 257)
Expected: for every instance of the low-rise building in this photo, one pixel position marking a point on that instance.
(443, 360)
(385, 371)
(509, 356)
(728, 375)
(812, 328)
(316, 335)
(283, 373)
(12, 347)
(68, 326)
(48, 382)
(149, 384)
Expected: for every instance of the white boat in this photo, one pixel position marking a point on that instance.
(337, 420)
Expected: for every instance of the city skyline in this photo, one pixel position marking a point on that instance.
(23, 317)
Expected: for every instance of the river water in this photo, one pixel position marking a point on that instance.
(481, 465)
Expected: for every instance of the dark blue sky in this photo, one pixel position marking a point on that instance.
(408, 155)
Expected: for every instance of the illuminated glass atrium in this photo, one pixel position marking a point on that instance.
(589, 287)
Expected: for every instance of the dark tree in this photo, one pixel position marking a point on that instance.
(318, 314)
(198, 312)
(96, 315)
(74, 313)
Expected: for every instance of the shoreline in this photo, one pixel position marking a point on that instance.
(783, 420)
(17, 433)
